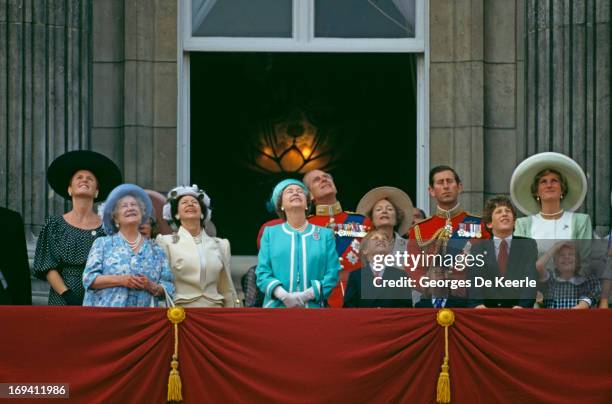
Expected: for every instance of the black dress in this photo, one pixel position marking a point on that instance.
(64, 248)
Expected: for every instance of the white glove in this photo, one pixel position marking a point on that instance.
(307, 295)
(290, 300)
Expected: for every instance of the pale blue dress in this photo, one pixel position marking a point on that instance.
(112, 255)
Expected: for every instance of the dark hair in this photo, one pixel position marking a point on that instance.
(399, 215)
(154, 227)
(538, 177)
(365, 243)
(174, 210)
(439, 169)
(494, 203)
(422, 212)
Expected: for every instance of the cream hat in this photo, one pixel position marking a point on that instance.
(398, 197)
(524, 174)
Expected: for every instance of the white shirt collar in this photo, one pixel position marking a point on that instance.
(498, 240)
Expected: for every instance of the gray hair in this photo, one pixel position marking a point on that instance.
(141, 207)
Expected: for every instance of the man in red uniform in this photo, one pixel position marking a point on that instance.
(349, 227)
(449, 229)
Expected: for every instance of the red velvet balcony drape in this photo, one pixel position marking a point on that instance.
(306, 356)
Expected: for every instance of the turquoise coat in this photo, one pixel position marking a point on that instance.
(297, 261)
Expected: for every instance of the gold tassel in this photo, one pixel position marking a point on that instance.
(174, 383)
(443, 392)
(176, 315)
(445, 318)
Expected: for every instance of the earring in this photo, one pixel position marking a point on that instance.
(283, 208)
(97, 193)
(561, 196)
(176, 217)
(538, 198)
(201, 216)
(69, 193)
(116, 224)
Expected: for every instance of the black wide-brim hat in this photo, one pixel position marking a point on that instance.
(62, 169)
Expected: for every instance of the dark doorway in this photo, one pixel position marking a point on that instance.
(364, 106)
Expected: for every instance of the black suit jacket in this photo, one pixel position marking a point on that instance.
(521, 264)
(361, 292)
(451, 303)
(14, 262)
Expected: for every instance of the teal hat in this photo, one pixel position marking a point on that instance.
(280, 187)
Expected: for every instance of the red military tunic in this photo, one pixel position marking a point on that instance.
(446, 232)
(349, 228)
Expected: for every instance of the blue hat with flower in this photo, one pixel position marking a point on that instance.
(116, 194)
(278, 191)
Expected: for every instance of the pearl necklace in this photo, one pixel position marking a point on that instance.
(133, 244)
(301, 228)
(551, 214)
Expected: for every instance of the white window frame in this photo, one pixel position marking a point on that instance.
(303, 40)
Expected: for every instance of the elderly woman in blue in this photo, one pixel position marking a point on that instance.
(124, 269)
(298, 263)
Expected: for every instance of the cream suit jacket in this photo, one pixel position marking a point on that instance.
(211, 287)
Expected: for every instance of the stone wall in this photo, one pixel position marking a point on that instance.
(511, 78)
(475, 82)
(134, 89)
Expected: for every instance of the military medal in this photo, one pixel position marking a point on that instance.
(315, 236)
(461, 232)
(448, 228)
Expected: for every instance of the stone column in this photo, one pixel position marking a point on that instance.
(476, 86)
(456, 92)
(135, 88)
(45, 82)
(567, 104)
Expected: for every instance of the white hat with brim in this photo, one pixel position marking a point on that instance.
(396, 196)
(524, 174)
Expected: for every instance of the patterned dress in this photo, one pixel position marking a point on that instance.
(562, 294)
(64, 248)
(113, 256)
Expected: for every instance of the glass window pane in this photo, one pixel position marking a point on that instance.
(364, 18)
(242, 18)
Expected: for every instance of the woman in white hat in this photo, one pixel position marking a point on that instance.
(390, 209)
(82, 177)
(548, 188)
(125, 269)
(200, 263)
